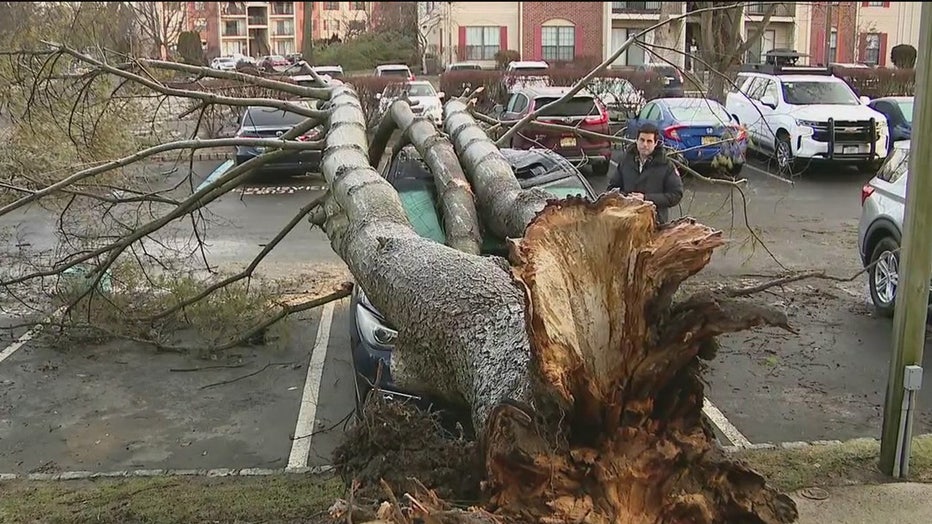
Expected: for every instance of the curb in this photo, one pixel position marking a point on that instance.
(181, 156)
(804, 444)
(138, 473)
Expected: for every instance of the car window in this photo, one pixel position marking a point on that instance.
(770, 89)
(701, 110)
(807, 92)
(394, 72)
(530, 71)
(512, 103)
(421, 90)
(895, 166)
(756, 89)
(906, 108)
(576, 106)
(646, 111)
(565, 187)
(269, 116)
(741, 83)
(655, 113)
(521, 103)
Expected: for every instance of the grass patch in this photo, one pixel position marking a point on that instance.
(851, 462)
(281, 498)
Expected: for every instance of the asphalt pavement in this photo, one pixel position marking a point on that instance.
(119, 407)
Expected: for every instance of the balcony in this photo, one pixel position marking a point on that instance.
(233, 29)
(635, 7)
(258, 21)
(282, 8)
(783, 9)
(232, 8)
(282, 29)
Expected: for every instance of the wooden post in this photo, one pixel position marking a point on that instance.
(912, 294)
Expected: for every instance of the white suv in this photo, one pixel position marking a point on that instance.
(802, 115)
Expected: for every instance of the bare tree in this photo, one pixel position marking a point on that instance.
(160, 23)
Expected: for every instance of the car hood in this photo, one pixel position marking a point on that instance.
(822, 112)
(425, 101)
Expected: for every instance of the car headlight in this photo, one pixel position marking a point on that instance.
(371, 328)
(881, 127)
(807, 127)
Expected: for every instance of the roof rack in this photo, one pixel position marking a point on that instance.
(773, 69)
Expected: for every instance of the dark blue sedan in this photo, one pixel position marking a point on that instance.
(698, 129)
(899, 113)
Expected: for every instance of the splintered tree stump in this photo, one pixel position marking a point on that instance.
(617, 357)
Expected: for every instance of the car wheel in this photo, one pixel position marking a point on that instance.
(784, 154)
(884, 275)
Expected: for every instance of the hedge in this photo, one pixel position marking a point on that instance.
(879, 82)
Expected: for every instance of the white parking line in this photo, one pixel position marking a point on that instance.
(20, 342)
(307, 414)
(723, 425)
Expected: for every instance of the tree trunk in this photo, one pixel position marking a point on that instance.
(465, 344)
(460, 220)
(506, 209)
(669, 35)
(589, 399)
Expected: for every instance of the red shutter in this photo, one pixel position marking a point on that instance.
(865, 4)
(503, 38)
(461, 47)
(537, 49)
(577, 43)
(862, 47)
(886, 4)
(883, 50)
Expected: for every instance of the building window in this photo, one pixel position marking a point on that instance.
(331, 25)
(235, 47)
(876, 4)
(331, 6)
(833, 46)
(482, 42)
(284, 47)
(761, 47)
(558, 43)
(234, 28)
(284, 28)
(635, 7)
(632, 56)
(200, 25)
(872, 54)
(358, 6)
(199, 6)
(282, 8)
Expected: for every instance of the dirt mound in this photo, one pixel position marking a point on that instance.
(398, 442)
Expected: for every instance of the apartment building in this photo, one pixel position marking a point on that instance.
(248, 28)
(883, 25)
(582, 32)
(340, 19)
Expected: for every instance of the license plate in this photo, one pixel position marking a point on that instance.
(707, 140)
(850, 150)
(666, 81)
(568, 142)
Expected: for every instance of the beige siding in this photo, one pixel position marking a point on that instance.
(900, 22)
(442, 29)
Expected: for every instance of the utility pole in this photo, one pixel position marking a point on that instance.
(912, 293)
(828, 34)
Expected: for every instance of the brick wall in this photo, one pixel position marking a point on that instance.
(586, 16)
(844, 21)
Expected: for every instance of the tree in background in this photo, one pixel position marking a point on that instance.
(159, 24)
(190, 49)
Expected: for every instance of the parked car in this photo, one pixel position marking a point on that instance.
(880, 229)
(223, 63)
(898, 111)
(394, 70)
(372, 336)
(333, 71)
(583, 110)
(267, 122)
(672, 78)
(273, 62)
(802, 115)
(462, 66)
(699, 129)
(620, 97)
(424, 99)
(526, 73)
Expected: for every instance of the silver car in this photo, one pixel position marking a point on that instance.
(883, 202)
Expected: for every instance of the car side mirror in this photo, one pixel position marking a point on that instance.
(378, 96)
(865, 100)
(769, 101)
(441, 94)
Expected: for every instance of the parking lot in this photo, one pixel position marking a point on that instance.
(120, 406)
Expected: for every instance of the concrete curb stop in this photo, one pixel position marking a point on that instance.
(180, 156)
(804, 445)
(137, 473)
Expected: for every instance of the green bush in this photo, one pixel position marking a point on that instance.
(369, 50)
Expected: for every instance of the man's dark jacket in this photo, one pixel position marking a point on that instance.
(659, 181)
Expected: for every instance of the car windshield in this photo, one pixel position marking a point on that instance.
(807, 93)
(907, 108)
(266, 116)
(701, 111)
(663, 70)
(421, 90)
(577, 106)
(395, 72)
(564, 187)
(465, 68)
(530, 70)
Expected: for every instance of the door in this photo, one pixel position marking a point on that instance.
(766, 131)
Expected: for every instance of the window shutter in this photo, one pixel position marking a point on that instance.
(503, 38)
(862, 47)
(882, 59)
(461, 47)
(538, 51)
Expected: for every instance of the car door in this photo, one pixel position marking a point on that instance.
(766, 131)
(737, 100)
(649, 113)
(515, 109)
(754, 121)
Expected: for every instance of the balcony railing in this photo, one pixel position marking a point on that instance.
(233, 8)
(635, 7)
(282, 8)
(233, 30)
(258, 20)
(761, 8)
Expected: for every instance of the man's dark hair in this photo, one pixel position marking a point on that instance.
(649, 129)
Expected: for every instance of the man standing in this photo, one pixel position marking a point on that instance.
(644, 171)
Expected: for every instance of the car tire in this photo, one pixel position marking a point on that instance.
(884, 265)
(783, 153)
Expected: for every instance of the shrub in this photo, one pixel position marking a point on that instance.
(366, 88)
(369, 50)
(189, 47)
(879, 82)
(505, 57)
(904, 56)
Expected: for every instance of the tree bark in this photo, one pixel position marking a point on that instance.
(506, 209)
(460, 220)
(582, 372)
(466, 344)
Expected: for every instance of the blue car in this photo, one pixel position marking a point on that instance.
(700, 130)
(899, 113)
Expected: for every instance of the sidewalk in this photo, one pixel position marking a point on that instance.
(900, 503)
